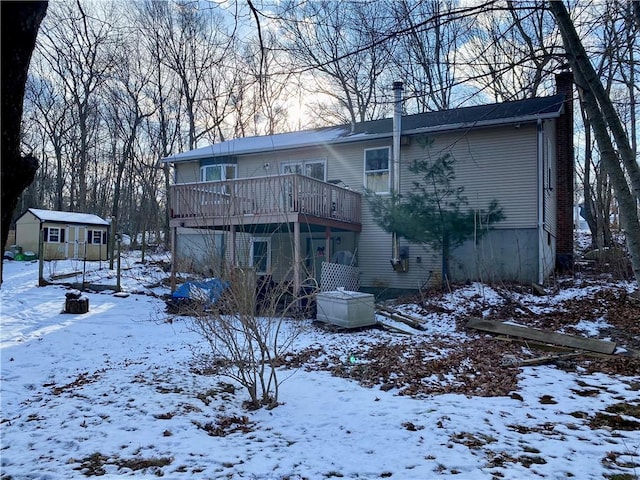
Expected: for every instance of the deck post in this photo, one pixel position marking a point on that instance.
(296, 259)
(173, 259)
(232, 245)
(327, 247)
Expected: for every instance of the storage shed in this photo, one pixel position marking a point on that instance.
(65, 235)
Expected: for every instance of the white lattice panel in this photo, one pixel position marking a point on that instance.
(334, 275)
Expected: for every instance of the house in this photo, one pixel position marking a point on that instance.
(64, 235)
(291, 204)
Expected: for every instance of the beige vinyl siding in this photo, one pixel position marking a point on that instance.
(187, 172)
(374, 259)
(488, 167)
(374, 247)
(343, 162)
(28, 232)
(200, 250)
(96, 251)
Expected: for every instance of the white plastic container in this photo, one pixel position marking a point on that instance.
(346, 309)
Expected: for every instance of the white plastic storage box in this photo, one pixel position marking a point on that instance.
(346, 309)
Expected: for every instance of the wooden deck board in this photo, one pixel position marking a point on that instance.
(574, 341)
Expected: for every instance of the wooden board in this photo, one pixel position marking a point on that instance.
(400, 318)
(393, 328)
(590, 344)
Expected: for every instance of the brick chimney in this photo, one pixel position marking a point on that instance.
(565, 174)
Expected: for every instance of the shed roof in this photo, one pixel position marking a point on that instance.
(67, 217)
(455, 119)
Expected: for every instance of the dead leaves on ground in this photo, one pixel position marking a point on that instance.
(226, 425)
(432, 364)
(94, 464)
(83, 378)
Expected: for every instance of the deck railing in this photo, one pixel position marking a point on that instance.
(273, 195)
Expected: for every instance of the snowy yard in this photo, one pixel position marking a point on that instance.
(115, 392)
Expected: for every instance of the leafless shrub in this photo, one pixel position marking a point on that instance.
(249, 329)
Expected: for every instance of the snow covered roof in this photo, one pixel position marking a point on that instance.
(460, 118)
(67, 217)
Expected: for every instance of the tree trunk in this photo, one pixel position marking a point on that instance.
(600, 111)
(20, 24)
(579, 61)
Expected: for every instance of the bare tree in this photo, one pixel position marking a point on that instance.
(512, 52)
(79, 49)
(341, 43)
(264, 92)
(49, 113)
(426, 56)
(162, 130)
(192, 40)
(127, 107)
(596, 192)
(611, 47)
(248, 331)
(619, 161)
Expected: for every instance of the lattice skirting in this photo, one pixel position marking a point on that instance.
(334, 275)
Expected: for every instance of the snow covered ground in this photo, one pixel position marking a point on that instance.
(114, 393)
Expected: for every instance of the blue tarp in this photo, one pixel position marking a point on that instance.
(206, 291)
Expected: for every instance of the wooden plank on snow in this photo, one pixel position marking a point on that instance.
(400, 318)
(393, 328)
(590, 344)
(413, 319)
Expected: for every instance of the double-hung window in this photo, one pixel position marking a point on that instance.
(54, 235)
(376, 169)
(214, 173)
(261, 255)
(97, 237)
(217, 173)
(309, 168)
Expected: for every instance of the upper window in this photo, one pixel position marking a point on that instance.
(214, 173)
(376, 169)
(310, 168)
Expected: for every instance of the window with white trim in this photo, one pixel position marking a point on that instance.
(309, 168)
(97, 237)
(261, 255)
(53, 235)
(214, 173)
(376, 169)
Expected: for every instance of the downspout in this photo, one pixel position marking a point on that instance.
(540, 189)
(395, 167)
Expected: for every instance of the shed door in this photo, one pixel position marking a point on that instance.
(76, 245)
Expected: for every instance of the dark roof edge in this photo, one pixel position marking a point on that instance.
(363, 136)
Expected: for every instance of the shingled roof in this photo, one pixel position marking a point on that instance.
(519, 111)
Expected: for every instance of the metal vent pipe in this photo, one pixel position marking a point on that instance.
(395, 165)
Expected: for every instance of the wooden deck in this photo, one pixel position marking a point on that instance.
(277, 199)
